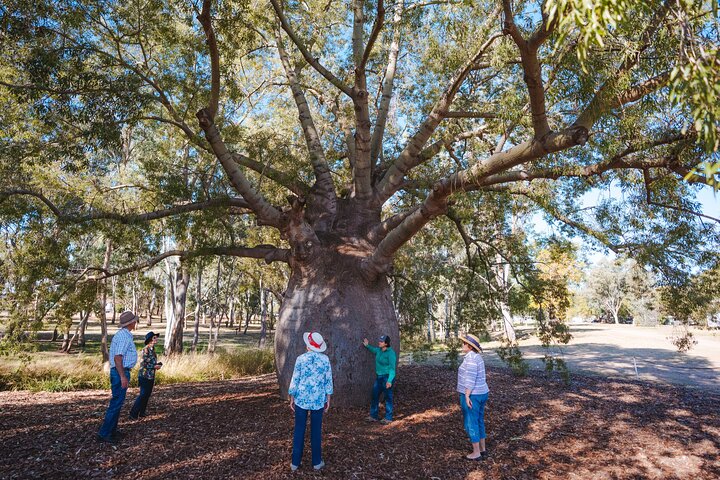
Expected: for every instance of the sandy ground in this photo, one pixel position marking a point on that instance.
(616, 350)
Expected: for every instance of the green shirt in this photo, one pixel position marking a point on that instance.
(384, 361)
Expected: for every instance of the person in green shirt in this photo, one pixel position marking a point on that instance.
(385, 360)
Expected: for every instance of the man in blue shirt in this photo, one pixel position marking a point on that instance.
(123, 357)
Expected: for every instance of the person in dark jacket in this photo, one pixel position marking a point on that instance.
(146, 376)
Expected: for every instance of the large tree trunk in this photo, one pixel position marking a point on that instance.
(331, 297)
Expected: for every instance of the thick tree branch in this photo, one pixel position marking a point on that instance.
(266, 213)
(362, 167)
(408, 158)
(531, 67)
(617, 161)
(387, 87)
(436, 202)
(381, 230)
(312, 61)
(206, 23)
(323, 180)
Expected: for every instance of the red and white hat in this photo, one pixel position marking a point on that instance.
(314, 341)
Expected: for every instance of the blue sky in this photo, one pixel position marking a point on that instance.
(709, 200)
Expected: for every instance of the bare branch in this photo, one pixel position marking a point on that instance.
(374, 33)
(266, 213)
(290, 182)
(409, 156)
(268, 253)
(324, 182)
(531, 67)
(436, 202)
(313, 62)
(206, 22)
(131, 218)
(464, 114)
(383, 228)
(387, 87)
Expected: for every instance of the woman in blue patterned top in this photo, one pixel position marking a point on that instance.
(310, 389)
(473, 390)
(146, 376)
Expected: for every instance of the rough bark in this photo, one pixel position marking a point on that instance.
(327, 293)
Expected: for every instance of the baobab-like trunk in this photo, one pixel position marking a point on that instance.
(328, 295)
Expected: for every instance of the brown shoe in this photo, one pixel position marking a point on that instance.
(370, 418)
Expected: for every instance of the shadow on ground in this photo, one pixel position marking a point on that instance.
(538, 429)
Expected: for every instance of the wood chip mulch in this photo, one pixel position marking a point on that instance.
(537, 427)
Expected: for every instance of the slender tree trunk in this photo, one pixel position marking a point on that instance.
(103, 306)
(170, 274)
(263, 317)
(66, 341)
(232, 312)
(198, 305)
(54, 335)
(181, 284)
(151, 306)
(113, 282)
(82, 327)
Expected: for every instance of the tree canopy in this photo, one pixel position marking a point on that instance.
(276, 131)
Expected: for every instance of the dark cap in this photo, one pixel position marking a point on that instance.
(385, 339)
(149, 336)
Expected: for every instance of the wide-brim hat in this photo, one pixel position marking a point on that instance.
(127, 318)
(149, 336)
(472, 341)
(314, 341)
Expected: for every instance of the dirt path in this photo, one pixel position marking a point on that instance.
(615, 351)
(537, 427)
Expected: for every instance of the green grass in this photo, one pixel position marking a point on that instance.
(62, 372)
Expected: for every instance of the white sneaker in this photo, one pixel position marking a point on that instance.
(319, 466)
(293, 467)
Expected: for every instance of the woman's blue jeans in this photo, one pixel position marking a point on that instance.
(379, 387)
(112, 415)
(140, 405)
(474, 418)
(315, 435)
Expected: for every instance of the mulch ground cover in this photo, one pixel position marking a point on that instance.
(537, 427)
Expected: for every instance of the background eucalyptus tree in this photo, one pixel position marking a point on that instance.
(326, 136)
